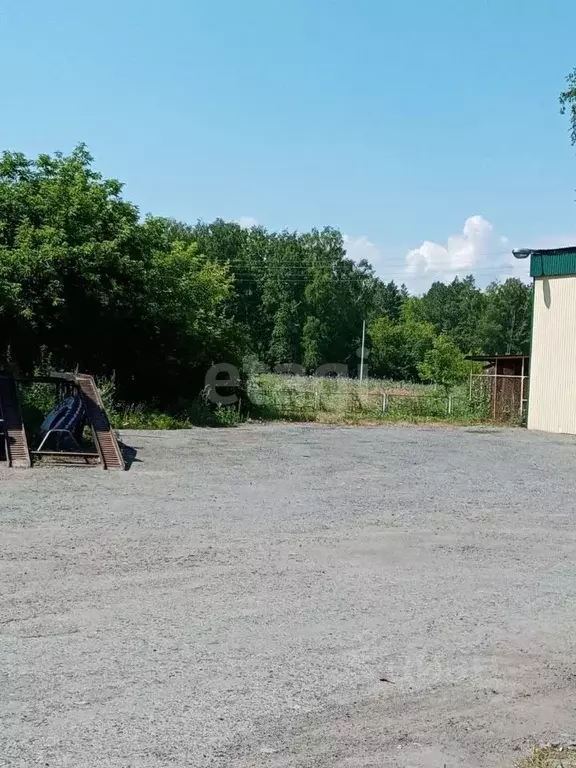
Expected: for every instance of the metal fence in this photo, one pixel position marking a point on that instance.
(506, 396)
(359, 401)
(488, 397)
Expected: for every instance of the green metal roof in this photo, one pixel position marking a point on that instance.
(553, 262)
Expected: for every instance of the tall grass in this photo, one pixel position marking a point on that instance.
(38, 399)
(280, 397)
(275, 396)
(194, 414)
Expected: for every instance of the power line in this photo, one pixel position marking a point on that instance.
(282, 268)
(263, 267)
(434, 275)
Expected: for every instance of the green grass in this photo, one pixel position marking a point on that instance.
(195, 414)
(273, 397)
(299, 398)
(38, 400)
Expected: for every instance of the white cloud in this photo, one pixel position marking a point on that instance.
(477, 245)
(246, 222)
(359, 248)
(479, 251)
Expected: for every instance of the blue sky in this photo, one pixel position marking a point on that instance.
(396, 122)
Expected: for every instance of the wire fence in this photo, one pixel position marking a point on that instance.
(485, 397)
(507, 395)
(355, 402)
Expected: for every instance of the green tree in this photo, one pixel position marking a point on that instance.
(397, 348)
(87, 283)
(71, 250)
(285, 335)
(333, 295)
(311, 336)
(380, 298)
(568, 103)
(244, 252)
(285, 276)
(506, 324)
(444, 364)
(456, 309)
(187, 328)
(84, 280)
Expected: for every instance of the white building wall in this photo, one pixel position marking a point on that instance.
(552, 398)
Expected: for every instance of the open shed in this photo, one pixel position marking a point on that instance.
(504, 382)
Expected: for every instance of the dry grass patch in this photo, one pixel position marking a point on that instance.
(547, 757)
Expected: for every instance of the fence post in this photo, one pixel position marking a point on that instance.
(449, 405)
(384, 402)
(522, 392)
(494, 395)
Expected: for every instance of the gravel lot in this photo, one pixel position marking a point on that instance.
(237, 596)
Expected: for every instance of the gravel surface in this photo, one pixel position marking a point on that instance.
(291, 596)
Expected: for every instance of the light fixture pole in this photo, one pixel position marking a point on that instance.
(362, 350)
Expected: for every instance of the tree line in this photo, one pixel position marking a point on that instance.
(86, 282)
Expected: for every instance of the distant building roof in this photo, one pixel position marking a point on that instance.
(554, 251)
(504, 365)
(490, 358)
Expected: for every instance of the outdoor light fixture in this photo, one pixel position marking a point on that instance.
(523, 253)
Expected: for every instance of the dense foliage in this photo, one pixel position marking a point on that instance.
(86, 282)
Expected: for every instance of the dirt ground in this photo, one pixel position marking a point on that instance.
(291, 596)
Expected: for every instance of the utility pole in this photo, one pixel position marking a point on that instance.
(362, 350)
